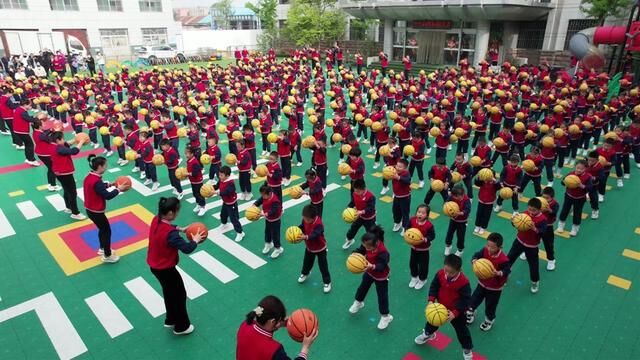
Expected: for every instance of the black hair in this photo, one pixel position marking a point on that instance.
(375, 234)
(271, 308)
(355, 152)
(146, 134)
(424, 206)
(581, 162)
(265, 189)
(309, 211)
(165, 142)
(403, 162)
(496, 238)
(549, 191)
(359, 184)
(36, 124)
(96, 161)
(225, 170)
(247, 127)
(57, 135)
(593, 154)
(454, 261)
(167, 205)
(190, 150)
(457, 191)
(515, 157)
(311, 173)
(535, 203)
(610, 141)
(441, 160)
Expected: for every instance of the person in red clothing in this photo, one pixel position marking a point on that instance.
(146, 154)
(419, 259)
(439, 171)
(21, 127)
(489, 290)
(227, 190)
(486, 198)
(255, 335)
(401, 184)
(450, 287)
(44, 148)
(96, 193)
(244, 170)
(171, 160)
(417, 159)
(534, 175)
(162, 257)
(272, 212)
(316, 246)
(406, 61)
(284, 152)
(548, 237)
(365, 204)
(194, 169)
(575, 198)
(377, 271)
(315, 191)
(213, 150)
(458, 223)
(62, 166)
(596, 169)
(357, 166)
(528, 241)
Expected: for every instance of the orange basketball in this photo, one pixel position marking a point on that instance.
(301, 323)
(124, 180)
(82, 137)
(195, 228)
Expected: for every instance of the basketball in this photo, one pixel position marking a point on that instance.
(123, 180)
(117, 141)
(84, 138)
(436, 314)
(384, 150)
(222, 128)
(459, 132)
(346, 148)
(205, 159)
(182, 132)
(528, 165)
(154, 124)
(388, 172)
(413, 237)
(131, 155)
(252, 213)
(485, 174)
(301, 323)
(522, 222)
(181, 173)
(344, 169)
(207, 191)
(475, 161)
(357, 263)
(558, 133)
(329, 123)
(574, 129)
(544, 128)
(349, 215)
(483, 268)
(296, 192)
(376, 126)
(292, 234)
(505, 193)
(456, 177)
(409, 150)
(309, 142)
(602, 160)
(499, 142)
(261, 170)
(519, 126)
(544, 203)
(572, 181)
(104, 130)
(450, 208)
(434, 132)
(397, 128)
(437, 185)
(231, 159)
(194, 229)
(548, 142)
(336, 138)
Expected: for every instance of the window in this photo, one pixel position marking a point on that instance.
(283, 2)
(109, 5)
(531, 34)
(150, 5)
(13, 4)
(154, 36)
(113, 38)
(575, 26)
(64, 5)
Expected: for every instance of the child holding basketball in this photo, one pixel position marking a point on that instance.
(391, 160)
(486, 198)
(439, 171)
(450, 287)
(377, 271)
(213, 150)
(489, 290)
(274, 174)
(401, 184)
(365, 204)
(244, 170)
(511, 177)
(575, 197)
(147, 156)
(458, 223)
(316, 246)
(227, 190)
(548, 237)
(284, 152)
(171, 159)
(272, 212)
(62, 166)
(194, 169)
(315, 191)
(419, 259)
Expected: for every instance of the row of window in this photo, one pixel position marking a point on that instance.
(72, 5)
(114, 38)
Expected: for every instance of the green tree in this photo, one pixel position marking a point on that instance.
(311, 21)
(221, 12)
(266, 12)
(602, 9)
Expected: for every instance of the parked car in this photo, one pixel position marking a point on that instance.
(152, 53)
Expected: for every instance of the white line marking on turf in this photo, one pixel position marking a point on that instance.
(108, 314)
(214, 266)
(235, 249)
(56, 201)
(194, 289)
(29, 210)
(63, 335)
(114, 170)
(146, 295)
(5, 227)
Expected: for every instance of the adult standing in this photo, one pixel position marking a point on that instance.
(101, 62)
(6, 114)
(91, 64)
(162, 258)
(21, 127)
(62, 165)
(59, 63)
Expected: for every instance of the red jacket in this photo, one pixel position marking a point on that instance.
(96, 193)
(42, 146)
(427, 231)
(254, 343)
(531, 238)
(500, 262)
(366, 202)
(272, 207)
(315, 231)
(160, 254)
(453, 293)
(276, 179)
(579, 193)
(244, 161)
(379, 257)
(402, 186)
(227, 191)
(61, 161)
(195, 171)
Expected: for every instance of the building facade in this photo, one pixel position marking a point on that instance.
(116, 27)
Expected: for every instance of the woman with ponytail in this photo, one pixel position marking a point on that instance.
(62, 166)
(255, 336)
(162, 258)
(96, 194)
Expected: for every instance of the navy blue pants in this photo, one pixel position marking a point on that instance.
(459, 324)
(272, 232)
(230, 212)
(382, 289)
(532, 258)
(196, 194)
(401, 209)
(173, 180)
(490, 298)
(150, 171)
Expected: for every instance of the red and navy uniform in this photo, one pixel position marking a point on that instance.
(500, 262)
(195, 171)
(255, 343)
(531, 238)
(427, 230)
(454, 293)
(315, 241)
(227, 191)
(380, 258)
(96, 193)
(164, 243)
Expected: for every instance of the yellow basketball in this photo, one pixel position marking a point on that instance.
(602, 160)
(544, 204)
(485, 174)
(505, 193)
(453, 138)
(475, 161)
(522, 222)
(329, 123)
(157, 159)
(483, 268)
(286, 109)
(558, 133)
(104, 130)
(544, 128)
(528, 165)
(261, 170)
(336, 138)
(117, 141)
(413, 237)
(437, 185)
(499, 142)
(349, 215)
(450, 208)
(456, 177)
(155, 124)
(205, 159)
(309, 142)
(207, 191)
(548, 142)
(388, 172)
(272, 138)
(409, 150)
(346, 148)
(393, 115)
(436, 314)
(131, 155)
(182, 132)
(344, 169)
(296, 192)
(397, 128)
(384, 150)
(222, 128)
(459, 132)
(236, 135)
(181, 173)
(255, 123)
(292, 234)
(611, 135)
(252, 213)
(357, 263)
(572, 181)
(231, 159)
(376, 126)
(434, 132)
(574, 129)
(519, 126)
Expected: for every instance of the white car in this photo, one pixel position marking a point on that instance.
(152, 53)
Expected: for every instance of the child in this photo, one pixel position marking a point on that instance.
(609, 154)
(548, 154)
(244, 169)
(450, 287)
(43, 148)
(439, 171)
(464, 169)
(486, 198)
(272, 212)
(419, 259)
(417, 159)
(284, 152)
(357, 166)
(115, 127)
(534, 175)
(274, 174)
(216, 157)
(194, 168)
(316, 246)
(133, 142)
(458, 223)
(483, 151)
(575, 198)
(295, 140)
(401, 185)
(377, 272)
(315, 192)
(548, 236)
(250, 144)
(171, 159)
(595, 168)
(391, 160)
(227, 191)
(194, 139)
(319, 161)
(265, 129)
(528, 241)
(62, 166)
(365, 204)
(511, 177)
(147, 156)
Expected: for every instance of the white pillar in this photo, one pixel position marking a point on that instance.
(482, 40)
(388, 37)
(551, 32)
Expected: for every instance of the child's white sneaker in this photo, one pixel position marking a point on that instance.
(384, 322)
(277, 252)
(423, 338)
(356, 306)
(267, 247)
(413, 282)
